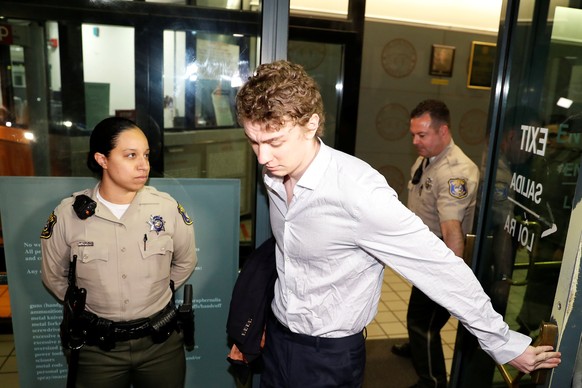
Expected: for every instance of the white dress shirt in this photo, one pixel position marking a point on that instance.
(344, 223)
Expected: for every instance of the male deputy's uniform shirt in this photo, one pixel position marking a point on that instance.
(343, 224)
(124, 264)
(447, 190)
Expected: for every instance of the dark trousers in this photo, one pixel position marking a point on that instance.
(300, 361)
(139, 363)
(425, 319)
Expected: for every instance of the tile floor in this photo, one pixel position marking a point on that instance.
(389, 323)
(8, 370)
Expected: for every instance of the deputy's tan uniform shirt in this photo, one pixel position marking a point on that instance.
(447, 190)
(124, 264)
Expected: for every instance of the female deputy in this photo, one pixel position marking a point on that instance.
(127, 252)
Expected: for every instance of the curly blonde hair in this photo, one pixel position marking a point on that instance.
(277, 93)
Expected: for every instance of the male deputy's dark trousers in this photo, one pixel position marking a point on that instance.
(300, 361)
(425, 319)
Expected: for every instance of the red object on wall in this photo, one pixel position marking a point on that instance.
(5, 34)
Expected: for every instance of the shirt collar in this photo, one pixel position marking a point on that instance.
(312, 175)
(443, 152)
(315, 171)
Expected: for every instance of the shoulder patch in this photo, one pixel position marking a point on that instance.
(182, 211)
(47, 231)
(458, 188)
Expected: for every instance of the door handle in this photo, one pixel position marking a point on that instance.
(468, 248)
(547, 336)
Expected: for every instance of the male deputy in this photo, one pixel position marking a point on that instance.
(336, 223)
(442, 192)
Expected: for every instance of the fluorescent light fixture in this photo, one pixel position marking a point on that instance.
(192, 72)
(236, 81)
(564, 102)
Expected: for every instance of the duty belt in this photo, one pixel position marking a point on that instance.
(125, 331)
(105, 333)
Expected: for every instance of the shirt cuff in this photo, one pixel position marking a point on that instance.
(514, 347)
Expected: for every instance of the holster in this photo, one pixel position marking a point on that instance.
(71, 331)
(186, 318)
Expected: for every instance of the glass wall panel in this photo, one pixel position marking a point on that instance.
(177, 83)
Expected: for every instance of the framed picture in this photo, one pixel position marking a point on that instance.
(442, 59)
(481, 64)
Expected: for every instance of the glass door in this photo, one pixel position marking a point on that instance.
(530, 180)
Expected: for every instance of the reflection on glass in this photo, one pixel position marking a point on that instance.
(243, 5)
(13, 104)
(109, 72)
(323, 62)
(174, 77)
(24, 94)
(335, 9)
(54, 81)
(202, 73)
(13, 98)
(217, 75)
(202, 139)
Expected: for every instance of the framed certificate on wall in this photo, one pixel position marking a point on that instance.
(442, 60)
(481, 63)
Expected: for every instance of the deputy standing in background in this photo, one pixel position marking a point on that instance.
(442, 192)
(336, 223)
(128, 251)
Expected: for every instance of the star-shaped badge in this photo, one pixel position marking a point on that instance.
(157, 224)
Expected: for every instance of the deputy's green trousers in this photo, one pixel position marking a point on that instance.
(138, 363)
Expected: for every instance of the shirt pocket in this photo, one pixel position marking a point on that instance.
(157, 257)
(91, 260)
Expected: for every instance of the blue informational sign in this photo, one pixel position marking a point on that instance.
(26, 203)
